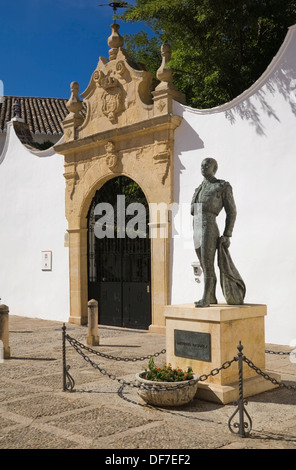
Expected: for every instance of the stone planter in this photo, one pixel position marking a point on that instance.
(175, 396)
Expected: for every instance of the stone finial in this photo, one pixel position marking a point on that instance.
(74, 105)
(18, 121)
(166, 92)
(114, 41)
(74, 119)
(17, 108)
(164, 74)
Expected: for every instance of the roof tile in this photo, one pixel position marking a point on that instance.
(43, 115)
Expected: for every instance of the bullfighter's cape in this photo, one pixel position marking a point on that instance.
(233, 287)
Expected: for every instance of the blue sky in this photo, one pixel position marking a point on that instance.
(47, 44)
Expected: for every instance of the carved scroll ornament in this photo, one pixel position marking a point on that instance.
(111, 156)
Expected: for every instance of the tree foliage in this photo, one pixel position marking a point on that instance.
(219, 47)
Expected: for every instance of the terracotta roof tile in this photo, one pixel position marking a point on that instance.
(43, 115)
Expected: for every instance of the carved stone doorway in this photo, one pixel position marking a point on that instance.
(124, 126)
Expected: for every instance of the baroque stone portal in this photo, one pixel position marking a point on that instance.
(207, 202)
(124, 125)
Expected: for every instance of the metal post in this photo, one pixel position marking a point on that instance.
(64, 356)
(67, 385)
(243, 427)
(241, 430)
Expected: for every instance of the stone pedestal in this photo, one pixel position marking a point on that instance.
(4, 330)
(205, 338)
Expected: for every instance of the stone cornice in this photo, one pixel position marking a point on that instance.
(167, 121)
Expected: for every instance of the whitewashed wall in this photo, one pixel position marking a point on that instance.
(32, 220)
(253, 138)
(39, 138)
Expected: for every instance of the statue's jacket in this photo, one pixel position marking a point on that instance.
(213, 195)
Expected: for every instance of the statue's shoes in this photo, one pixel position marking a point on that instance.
(201, 303)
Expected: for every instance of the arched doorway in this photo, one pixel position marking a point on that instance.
(119, 254)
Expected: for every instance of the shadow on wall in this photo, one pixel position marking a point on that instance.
(190, 141)
(282, 82)
(190, 138)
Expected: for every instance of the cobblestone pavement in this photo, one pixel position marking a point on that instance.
(35, 412)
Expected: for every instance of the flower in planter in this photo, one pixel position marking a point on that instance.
(166, 373)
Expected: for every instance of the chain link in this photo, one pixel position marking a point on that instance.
(266, 376)
(216, 371)
(280, 353)
(108, 356)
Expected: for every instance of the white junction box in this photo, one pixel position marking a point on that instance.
(46, 260)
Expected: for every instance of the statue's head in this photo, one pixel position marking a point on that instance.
(209, 167)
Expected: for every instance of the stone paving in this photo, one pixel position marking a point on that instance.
(35, 412)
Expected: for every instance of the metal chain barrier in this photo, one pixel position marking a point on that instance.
(108, 356)
(217, 370)
(79, 346)
(69, 386)
(76, 345)
(244, 427)
(280, 353)
(241, 428)
(266, 376)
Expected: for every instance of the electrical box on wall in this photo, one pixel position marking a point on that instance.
(46, 260)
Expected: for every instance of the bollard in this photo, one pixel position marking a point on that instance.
(92, 338)
(4, 331)
(1, 352)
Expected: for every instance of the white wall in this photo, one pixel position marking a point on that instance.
(32, 219)
(39, 138)
(253, 139)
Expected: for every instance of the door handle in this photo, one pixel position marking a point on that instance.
(148, 289)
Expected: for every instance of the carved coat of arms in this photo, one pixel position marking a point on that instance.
(111, 98)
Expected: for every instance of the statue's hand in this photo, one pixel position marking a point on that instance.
(225, 241)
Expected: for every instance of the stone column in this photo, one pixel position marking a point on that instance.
(4, 331)
(93, 338)
(78, 275)
(160, 255)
